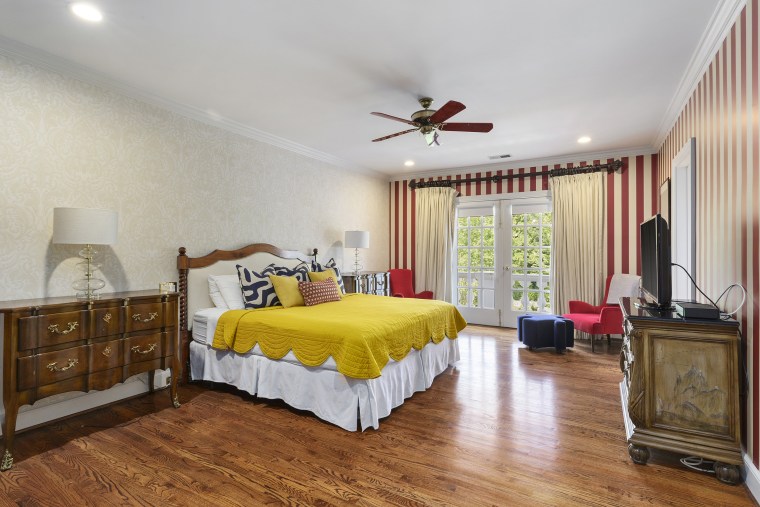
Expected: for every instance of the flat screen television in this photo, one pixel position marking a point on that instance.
(655, 262)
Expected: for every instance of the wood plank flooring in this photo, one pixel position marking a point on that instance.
(505, 426)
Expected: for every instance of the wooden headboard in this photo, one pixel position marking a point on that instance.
(194, 273)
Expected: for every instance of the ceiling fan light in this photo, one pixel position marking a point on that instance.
(431, 138)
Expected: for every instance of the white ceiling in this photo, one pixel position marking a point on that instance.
(306, 74)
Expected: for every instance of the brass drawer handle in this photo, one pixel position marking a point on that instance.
(152, 347)
(72, 362)
(107, 318)
(151, 316)
(107, 351)
(53, 328)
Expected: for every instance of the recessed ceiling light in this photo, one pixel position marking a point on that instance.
(87, 11)
(584, 139)
(409, 163)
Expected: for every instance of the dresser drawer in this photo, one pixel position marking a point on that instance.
(106, 355)
(52, 329)
(145, 347)
(105, 321)
(51, 367)
(145, 316)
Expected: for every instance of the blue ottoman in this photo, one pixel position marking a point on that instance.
(538, 331)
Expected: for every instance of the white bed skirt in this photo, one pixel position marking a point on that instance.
(331, 396)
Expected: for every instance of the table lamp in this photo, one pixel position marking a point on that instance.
(86, 226)
(357, 240)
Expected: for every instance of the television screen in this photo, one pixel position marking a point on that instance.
(655, 261)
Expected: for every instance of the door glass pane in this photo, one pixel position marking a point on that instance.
(488, 259)
(476, 237)
(518, 236)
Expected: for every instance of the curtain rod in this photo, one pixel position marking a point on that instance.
(553, 173)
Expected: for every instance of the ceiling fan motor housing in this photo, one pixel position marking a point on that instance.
(422, 115)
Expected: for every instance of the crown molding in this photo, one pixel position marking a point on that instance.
(28, 54)
(717, 30)
(535, 162)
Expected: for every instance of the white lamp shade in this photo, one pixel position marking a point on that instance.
(357, 239)
(85, 226)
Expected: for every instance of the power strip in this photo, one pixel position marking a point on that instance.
(697, 311)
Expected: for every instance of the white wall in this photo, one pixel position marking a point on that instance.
(174, 182)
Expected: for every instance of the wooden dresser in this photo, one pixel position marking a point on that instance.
(681, 390)
(58, 345)
(368, 282)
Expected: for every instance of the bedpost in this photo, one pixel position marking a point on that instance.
(314, 254)
(182, 266)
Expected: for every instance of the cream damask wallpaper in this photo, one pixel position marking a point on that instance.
(174, 182)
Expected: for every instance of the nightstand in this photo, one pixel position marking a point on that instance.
(368, 282)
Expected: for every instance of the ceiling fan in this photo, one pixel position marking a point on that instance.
(430, 121)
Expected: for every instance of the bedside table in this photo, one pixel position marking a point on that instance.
(368, 282)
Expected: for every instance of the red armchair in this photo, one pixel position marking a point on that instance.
(403, 287)
(604, 318)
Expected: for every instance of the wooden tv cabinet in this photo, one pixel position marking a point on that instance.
(63, 344)
(680, 390)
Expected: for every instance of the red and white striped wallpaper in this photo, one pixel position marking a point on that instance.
(722, 114)
(632, 196)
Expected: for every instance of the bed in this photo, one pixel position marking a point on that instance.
(346, 401)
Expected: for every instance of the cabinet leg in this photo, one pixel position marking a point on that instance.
(173, 394)
(728, 474)
(7, 461)
(173, 387)
(638, 453)
(9, 430)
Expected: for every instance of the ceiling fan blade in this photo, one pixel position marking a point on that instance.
(408, 122)
(448, 110)
(467, 127)
(393, 135)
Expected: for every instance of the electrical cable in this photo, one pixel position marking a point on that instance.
(695, 284)
(699, 464)
(727, 291)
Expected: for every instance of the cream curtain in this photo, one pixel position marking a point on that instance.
(579, 240)
(436, 210)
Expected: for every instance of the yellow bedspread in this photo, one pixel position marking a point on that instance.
(360, 332)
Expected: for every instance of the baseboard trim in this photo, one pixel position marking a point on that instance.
(752, 478)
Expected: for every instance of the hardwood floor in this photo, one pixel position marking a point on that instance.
(505, 426)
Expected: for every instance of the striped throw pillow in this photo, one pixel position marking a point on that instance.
(315, 293)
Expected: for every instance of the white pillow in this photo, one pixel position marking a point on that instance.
(214, 294)
(229, 286)
(225, 292)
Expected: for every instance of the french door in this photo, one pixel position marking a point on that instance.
(476, 257)
(528, 267)
(502, 260)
